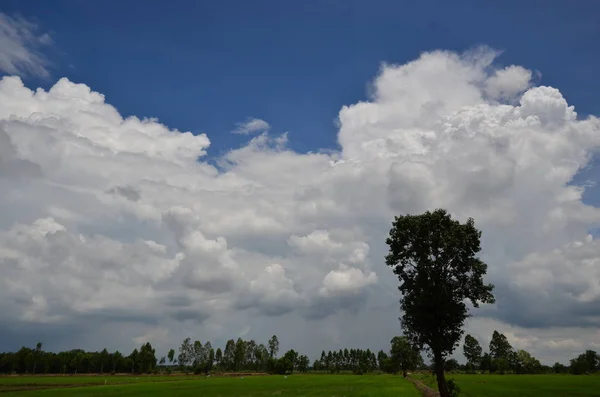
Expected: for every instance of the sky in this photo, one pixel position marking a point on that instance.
(231, 169)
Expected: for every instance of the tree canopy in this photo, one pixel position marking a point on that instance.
(435, 259)
(472, 351)
(404, 355)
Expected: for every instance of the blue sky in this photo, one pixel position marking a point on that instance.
(203, 66)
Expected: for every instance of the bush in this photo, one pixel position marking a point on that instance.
(453, 388)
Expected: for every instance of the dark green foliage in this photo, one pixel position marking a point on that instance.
(451, 365)
(499, 346)
(256, 358)
(273, 346)
(559, 368)
(585, 363)
(76, 361)
(404, 355)
(472, 351)
(435, 259)
(525, 363)
(146, 359)
(453, 389)
(358, 361)
(486, 363)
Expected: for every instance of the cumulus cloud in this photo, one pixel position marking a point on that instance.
(507, 83)
(121, 222)
(20, 44)
(251, 126)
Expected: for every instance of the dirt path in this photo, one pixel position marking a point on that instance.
(425, 390)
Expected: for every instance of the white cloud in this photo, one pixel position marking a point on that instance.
(251, 126)
(506, 83)
(346, 280)
(19, 47)
(122, 223)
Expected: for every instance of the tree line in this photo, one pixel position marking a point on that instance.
(201, 358)
(36, 361)
(248, 356)
(237, 356)
(502, 358)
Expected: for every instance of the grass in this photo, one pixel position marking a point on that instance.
(259, 386)
(521, 385)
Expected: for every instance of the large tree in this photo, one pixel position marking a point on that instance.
(472, 351)
(435, 259)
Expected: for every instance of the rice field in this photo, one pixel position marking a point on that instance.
(183, 386)
(521, 385)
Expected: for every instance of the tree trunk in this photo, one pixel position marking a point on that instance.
(34, 364)
(102, 368)
(441, 379)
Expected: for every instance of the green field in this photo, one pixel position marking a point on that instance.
(296, 385)
(255, 386)
(521, 385)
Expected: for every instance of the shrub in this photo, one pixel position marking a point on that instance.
(453, 388)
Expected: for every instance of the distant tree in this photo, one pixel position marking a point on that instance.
(559, 368)
(197, 356)
(593, 360)
(185, 353)
(208, 358)
(404, 356)
(240, 354)
(77, 360)
(261, 356)
(218, 357)
(500, 365)
(451, 365)
(37, 354)
(292, 356)
(249, 358)
(381, 359)
(162, 360)
(525, 363)
(211, 359)
(146, 358)
(585, 363)
(104, 359)
(499, 346)
(472, 351)
(117, 358)
(134, 358)
(286, 364)
(435, 259)
(229, 355)
(273, 346)
(303, 363)
(171, 356)
(486, 363)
